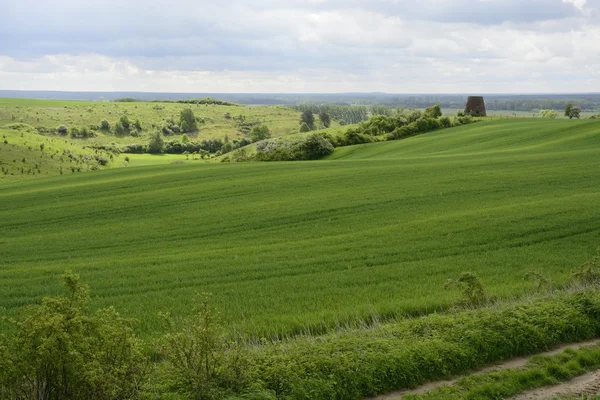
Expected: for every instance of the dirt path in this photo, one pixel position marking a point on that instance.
(513, 363)
(588, 384)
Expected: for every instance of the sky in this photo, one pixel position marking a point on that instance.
(301, 46)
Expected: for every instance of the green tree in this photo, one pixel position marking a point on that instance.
(125, 122)
(574, 112)
(304, 128)
(187, 121)
(105, 125)
(433, 111)
(60, 350)
(185, 138)
(119, 128)
(156, 144)
(138, 125)
(259, 132)
(325, 119)
(308, 118)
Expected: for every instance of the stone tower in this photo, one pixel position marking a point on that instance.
(475, 106)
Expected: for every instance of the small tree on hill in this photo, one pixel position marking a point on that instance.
(433, 111)
(325, 119)
(308, 118)
(156, 144)
(551, 114)
(125, 122)
(187, 121)
(119, 128)
(575, 112)
(259, 132)
(304, 127)
(105, 125)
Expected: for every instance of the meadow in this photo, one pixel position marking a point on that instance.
(216, 124)
(373, 232)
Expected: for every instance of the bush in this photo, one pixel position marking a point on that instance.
(119, 128)
(304, 128)
(259, 132)
(433, 112)
(124, 120)
(187, 121)
(201, 362)
(156, 143)
(316, 146)
(105, 125)
(59, 350)
(134, 149)
(62, 130)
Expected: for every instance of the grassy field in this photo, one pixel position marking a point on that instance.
(288, 247)
(52, 113)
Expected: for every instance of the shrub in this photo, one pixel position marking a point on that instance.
(201, 362)
(304, 128)
(156, 143)
(185, 139)
(105, 125)
(62, 130)
(259, 132)
(60, 350)
(134, 149)
(316, 146)
(433, 112)
(187, 121)
(124, 120)
(119, 128)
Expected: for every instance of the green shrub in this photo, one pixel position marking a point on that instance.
(105, 125)
(156, 143)
(59, 350)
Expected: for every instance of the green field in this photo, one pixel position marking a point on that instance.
(288, 247)
(52, 113)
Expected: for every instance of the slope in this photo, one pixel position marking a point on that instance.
(294, 247)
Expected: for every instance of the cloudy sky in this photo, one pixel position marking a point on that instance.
(395, 46)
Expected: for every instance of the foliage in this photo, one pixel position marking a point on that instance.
(433, 112)
(572, 111)
(589, 272)
(325, 119)
(539, 371)
(187, 121)
(259, 132)
(125, 123)
(308, 118)
(311, 147)
(156, 144)
(201, 362)
(472, 292)
(119, 129)
(59, 350)
(105, 125)
(304, 128)
(550, 114)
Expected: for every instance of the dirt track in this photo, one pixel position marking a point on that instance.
(592, 381)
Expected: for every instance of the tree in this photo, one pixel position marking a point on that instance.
(185, 138)
(568, 108)
(125, 122)
(259, 132)
(105, 125)
(187, 121)
(433, 111)
(308, 118)
(138, 125)
(574, 112)
(119, 129)
(325, 119)
(304, 127)
(156, 144)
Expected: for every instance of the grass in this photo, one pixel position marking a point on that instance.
(306, 246)
(25, 154)
(540, 371)
(52, 113)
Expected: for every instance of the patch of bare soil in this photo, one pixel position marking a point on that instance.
(513, 363)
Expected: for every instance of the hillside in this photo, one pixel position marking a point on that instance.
(215, 121)
(286, 247)
(26, 154)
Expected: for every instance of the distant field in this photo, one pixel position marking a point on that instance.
(52, 113)
(375, 230)
(517, 114)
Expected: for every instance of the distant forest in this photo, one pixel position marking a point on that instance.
(509, 102)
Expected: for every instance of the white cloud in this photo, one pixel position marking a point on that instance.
(301, 46)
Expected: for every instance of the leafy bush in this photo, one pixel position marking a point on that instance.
(304, 128)
(433, 112)
(259, 132)
(156, 143)
(187, 121)
(316, 146)
(62, 130)
(59, 350)
(134, 149)
(105, 125)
